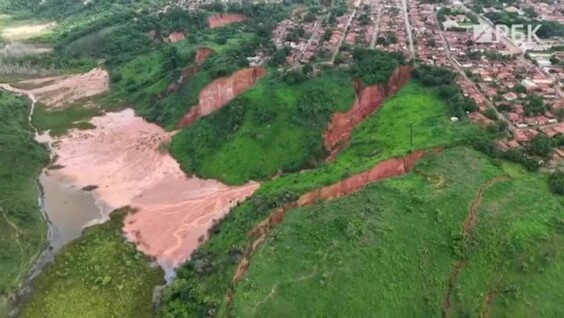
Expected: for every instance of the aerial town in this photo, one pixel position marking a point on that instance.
(515, 80)
(281, 158)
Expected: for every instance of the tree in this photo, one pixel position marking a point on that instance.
(519, 88)
(307, 69)
(540, 146)
(556, 182)
(534, 105)
(220, 40)
(309, 17)
(490, 113)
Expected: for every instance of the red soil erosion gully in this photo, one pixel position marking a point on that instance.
(367, 101)
(216, 21)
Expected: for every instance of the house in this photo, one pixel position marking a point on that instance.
(510, 96)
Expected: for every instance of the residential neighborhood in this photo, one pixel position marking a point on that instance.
(514, 80)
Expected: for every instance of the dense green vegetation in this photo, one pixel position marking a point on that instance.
(395, 243)
(98, 275)
(271, 127)
(22, 229)
(143, 81)
(444, 80)
(373, 67)
(204, 281)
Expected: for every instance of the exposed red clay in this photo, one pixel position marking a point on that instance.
(367, 100)
(386, 169)
(220, 92)
(175, 37)
(216, 21)
(202, 54)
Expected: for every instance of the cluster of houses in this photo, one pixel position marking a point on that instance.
(429, 48)
(494, 74)
(391, 31)
(305, 47)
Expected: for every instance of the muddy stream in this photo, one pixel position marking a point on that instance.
(67, 209)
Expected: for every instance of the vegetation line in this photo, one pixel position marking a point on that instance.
(467, 229)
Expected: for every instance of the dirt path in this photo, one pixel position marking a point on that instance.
(472, 210)
(489, 299)
(467, 229)
(295, 280)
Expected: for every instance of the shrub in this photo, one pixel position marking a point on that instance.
(556, 182)
(540, 146)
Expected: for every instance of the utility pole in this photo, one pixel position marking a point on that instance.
(410, 137)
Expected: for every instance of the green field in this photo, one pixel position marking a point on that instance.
(98, 275)
(388, 250)
(22, 229)
(273, 126)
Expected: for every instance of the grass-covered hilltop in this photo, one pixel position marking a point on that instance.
(378, 196)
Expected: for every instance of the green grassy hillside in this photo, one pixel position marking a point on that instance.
(390, 249)
(22, 229)
(273, 126)
(197, 292)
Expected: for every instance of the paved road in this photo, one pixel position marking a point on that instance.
(376, 23)
(357, 4)
(408, 28)
(308, 43)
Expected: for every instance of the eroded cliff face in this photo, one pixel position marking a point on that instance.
(216, 21)
(175, 37)
(367, 100)
(383, 170)
(221, 91)
(202, 54)
(386, 169)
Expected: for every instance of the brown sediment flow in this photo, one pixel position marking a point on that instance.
(220, 92)
(386, 169)
(122, 156)
(367, 100)
(59, 91)
(216, 21)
